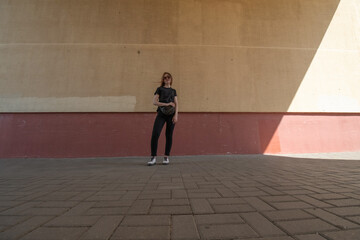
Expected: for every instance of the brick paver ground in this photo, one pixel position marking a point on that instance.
(200, 197)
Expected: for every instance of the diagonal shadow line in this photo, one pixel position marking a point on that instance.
(268, 127)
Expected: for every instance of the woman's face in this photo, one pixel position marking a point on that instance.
(167, 79)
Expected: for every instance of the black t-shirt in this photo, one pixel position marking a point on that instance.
(166, 95)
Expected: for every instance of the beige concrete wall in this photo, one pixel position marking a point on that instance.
(225, 55)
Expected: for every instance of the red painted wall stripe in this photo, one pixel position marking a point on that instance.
(128, 134)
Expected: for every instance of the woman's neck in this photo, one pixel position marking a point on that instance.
(167, 86)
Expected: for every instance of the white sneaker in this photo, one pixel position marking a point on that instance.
(152, 161)
(166, 161)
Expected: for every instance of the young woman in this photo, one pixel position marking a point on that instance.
(165, 98)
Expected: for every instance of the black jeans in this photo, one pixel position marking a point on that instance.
(158, 125)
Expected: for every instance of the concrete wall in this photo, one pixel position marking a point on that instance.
(252, 76)
(128, 134)
(225, 55)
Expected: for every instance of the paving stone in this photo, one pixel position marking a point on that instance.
(80, 209)
(140, 207)
(81, 196)
(203, 195)
(281, 215)
(344, 235)
(201, 206)
(18, 210)
(313, 201)
(184, 227)
(131, 194)
(225, 192)
(110, 191)
(341, 190)
(224, 201)
(179, 194)
(233, 208)
(131, 186)
(12, 220)
(325, 196)
(207, 190)
(192, 179)
(10, 203)
(103, 198)
(228, 183)
(209, 185)
(310, 237)
(61, 233)
(107, 211)
(298, 192)
(284, 187)
(73, 221)
(271, 191)
(44, 211)
(146, 220)
(138, 233)
(228, 231)
(258, 204)
(155, 191)
(57, 204)
(344, 202)
(171, 186)
(190, 185)
(170, 210)
(3, 208)
(119, 203)
(261, 225)
(32, 196)
(283, 198)
(155, 196)
(9, 197)
(58, 196)
(170, 202)
(151, 186)
(251, 194)
(352, 195)
(272, 238)
(291, 205)
(315, 189)
(345, 211)
(306, 226)
(333, 219)
(355, 219)
(210, 219)
(247, 186)
(177, 179)
(103, 228)
(24, 227)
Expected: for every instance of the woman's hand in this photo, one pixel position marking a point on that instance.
(175, 118)
(172, 104)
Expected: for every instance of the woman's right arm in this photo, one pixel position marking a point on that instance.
(160, 104)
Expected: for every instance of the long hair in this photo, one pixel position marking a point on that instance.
(162, 79)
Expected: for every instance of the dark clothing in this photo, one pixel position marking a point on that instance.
(158, 126)
(166, 95)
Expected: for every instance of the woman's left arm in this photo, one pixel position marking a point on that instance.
(175, 118)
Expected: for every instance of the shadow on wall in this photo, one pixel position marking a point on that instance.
(277, 66)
